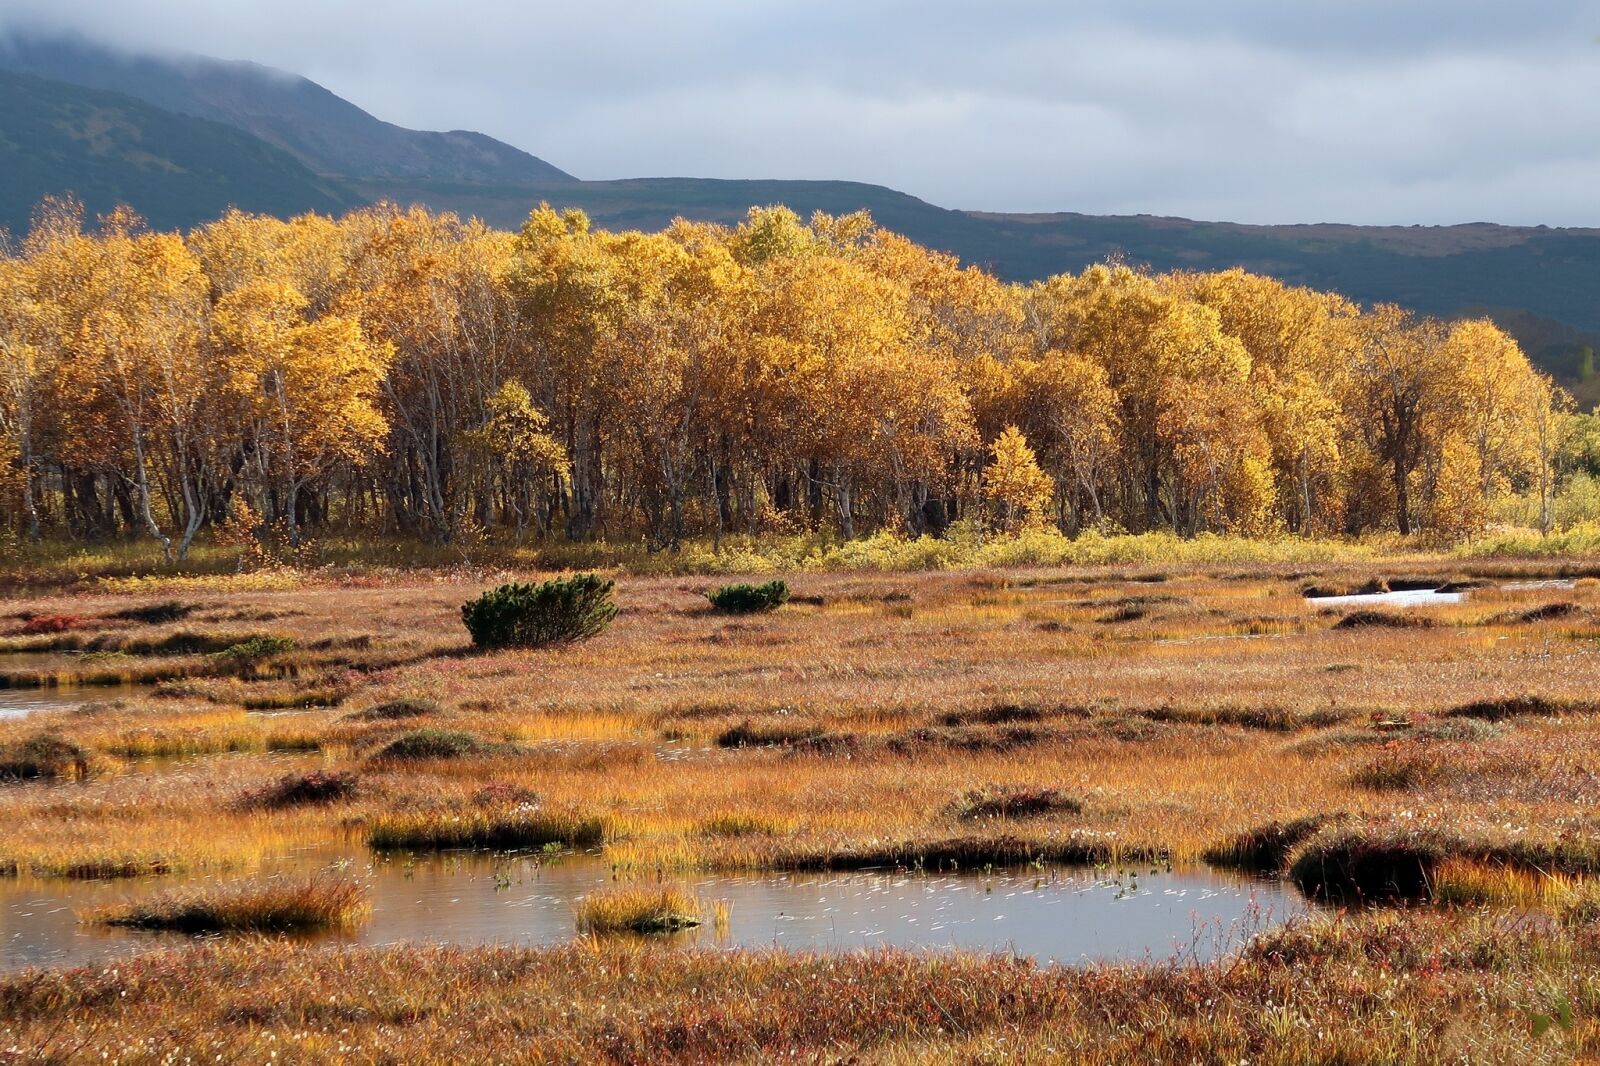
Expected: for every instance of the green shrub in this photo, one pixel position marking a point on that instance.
(750, 599)
(258, 648)
(528, 616)
(432, 744)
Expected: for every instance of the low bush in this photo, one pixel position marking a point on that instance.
(303, 790)
(269, 907)
(257, 648)
(41, 624)
(529, 616)
(750, 599)
(432, 744)
(45, 755)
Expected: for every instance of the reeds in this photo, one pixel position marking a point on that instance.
(639, 909)
(272, 906)
(526, 825)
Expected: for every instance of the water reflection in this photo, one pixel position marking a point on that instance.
(1406, 598)
(23, 702)
(1061, 914)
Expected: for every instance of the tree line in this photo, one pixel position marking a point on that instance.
(404, 372)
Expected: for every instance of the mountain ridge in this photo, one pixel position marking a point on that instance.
(1539, 282)
(329, 134)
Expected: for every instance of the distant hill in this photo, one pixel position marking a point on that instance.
(330, 135)
(1543, 284)
(110, 149)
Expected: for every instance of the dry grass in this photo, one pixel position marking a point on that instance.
(275, 906)
(867, 724)
(639, 909)
(1409, 989)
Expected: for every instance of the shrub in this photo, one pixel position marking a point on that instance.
(639, 909)
(750, 599)
(307, 789)
(41, 624)
(44, 755)
(529, 616)
(272, 907)
(432, 744)
(257, 648)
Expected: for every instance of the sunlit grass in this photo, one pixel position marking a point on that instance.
(274, 906)
(639, 909)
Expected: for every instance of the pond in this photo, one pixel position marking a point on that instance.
(1055, 914)
(1406, 598)
(23, 702)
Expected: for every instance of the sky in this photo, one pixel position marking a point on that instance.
(1269, 111)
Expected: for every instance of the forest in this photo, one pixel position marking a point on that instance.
(401, 372)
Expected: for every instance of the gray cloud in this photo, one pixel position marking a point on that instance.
(1252, 110)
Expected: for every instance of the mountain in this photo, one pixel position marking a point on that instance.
(1541, 284)
(328, 134)
(110, 149)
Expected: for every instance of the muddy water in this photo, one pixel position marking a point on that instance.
(1061, 914)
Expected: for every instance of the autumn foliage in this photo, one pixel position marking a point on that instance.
(402, 371)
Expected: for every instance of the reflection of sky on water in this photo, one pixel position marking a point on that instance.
(1055, 914)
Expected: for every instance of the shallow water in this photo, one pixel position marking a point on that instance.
(1408, 598)
(22, 702)
(1057, 914)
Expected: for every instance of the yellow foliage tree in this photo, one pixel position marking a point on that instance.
(1014, 486)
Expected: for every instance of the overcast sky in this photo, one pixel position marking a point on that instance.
(1373, 111)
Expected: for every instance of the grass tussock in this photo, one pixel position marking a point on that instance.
(1371, 619)
(397, 711)
(1361, 864)
(1013, 801)
(421, 744)
(1500, 709)
(639, 909)
(275, 906)
(309, 789)
(525, 825)
(769, 731)
(1267, 848)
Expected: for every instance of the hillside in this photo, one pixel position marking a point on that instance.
(110, 149)
(325, 132)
